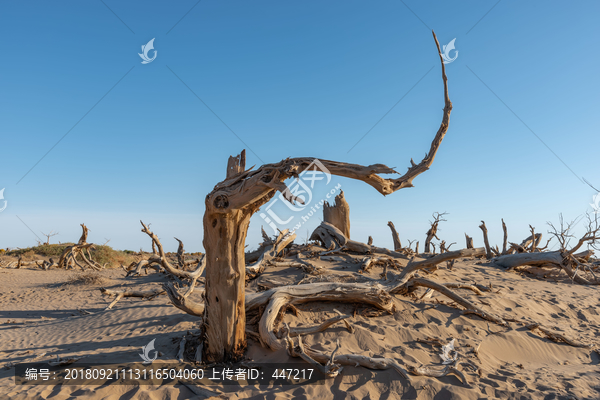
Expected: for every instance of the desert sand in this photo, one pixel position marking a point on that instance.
(60, 312)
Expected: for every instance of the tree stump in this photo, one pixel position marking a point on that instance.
(338, 214)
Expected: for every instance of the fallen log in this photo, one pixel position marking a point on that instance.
(145, 294)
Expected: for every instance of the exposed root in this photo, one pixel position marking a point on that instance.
(278, 298)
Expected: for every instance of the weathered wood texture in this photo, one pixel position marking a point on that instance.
(229, 208)
(338, 214)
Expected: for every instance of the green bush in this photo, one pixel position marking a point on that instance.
(101, 254)
(48, 250)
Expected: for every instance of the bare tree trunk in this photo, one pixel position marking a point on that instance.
(469, 241)
(233, 201)
(432, 232)
(224, 242)
(338, 214)
(430, 236)
(395, 237)
(505, 241)
(225, 318)
(488, 252)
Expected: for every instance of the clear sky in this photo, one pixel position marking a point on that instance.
(289, 79)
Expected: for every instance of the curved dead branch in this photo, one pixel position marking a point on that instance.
(182, 301)
(230, 206)
(471, 308)
(164, 262)
(119, 294)
(397, 284)
(330, 365)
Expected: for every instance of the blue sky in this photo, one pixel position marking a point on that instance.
(294, 79)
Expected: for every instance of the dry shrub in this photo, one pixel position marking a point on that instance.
(86, 278)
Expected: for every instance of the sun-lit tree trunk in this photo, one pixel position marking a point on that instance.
(224, 240)
(229, 208)
(338, 214)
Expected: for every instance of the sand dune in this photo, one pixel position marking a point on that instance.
(41, 314)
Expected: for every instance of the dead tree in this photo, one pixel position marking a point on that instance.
(505, 240)
(48, 236)
(469, 240)
(432, 232)
(229, 208)
(395, 237)
(70, 256)
(575, 265)
(338, 214)
(444, 248)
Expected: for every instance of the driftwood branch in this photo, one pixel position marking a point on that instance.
(432, 232)
(471, 308)
(161, 258)
(119, 294)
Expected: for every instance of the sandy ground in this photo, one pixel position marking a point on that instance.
(39, 313)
